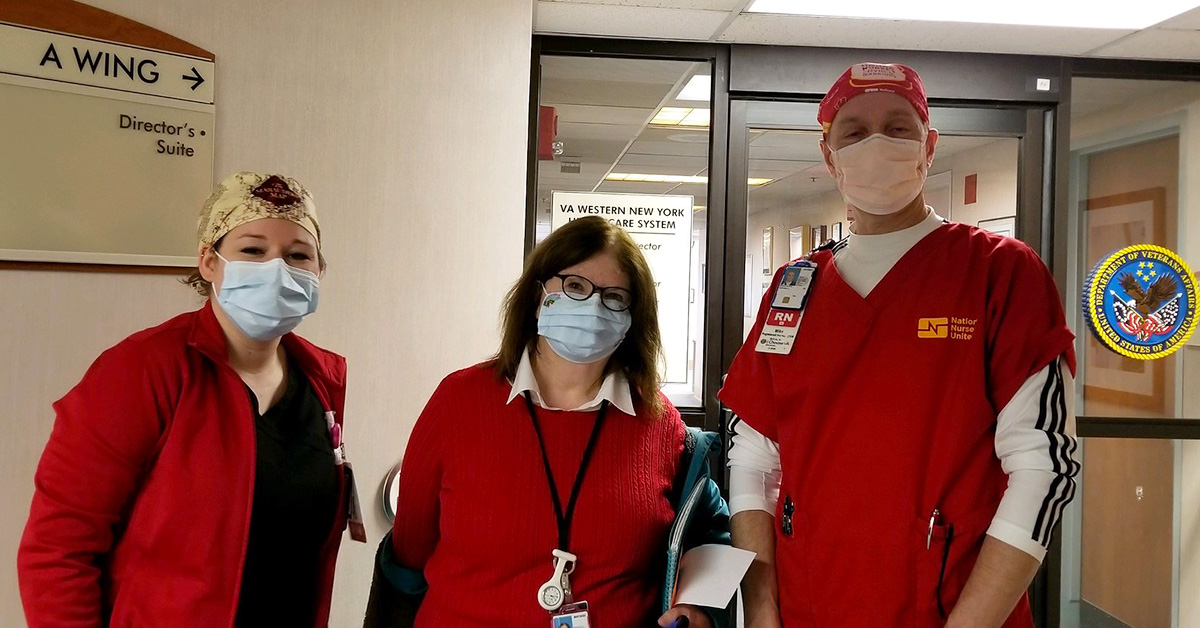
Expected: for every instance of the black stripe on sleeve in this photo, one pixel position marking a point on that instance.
(1062, 449)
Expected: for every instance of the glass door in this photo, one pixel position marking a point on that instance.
(1131, 540)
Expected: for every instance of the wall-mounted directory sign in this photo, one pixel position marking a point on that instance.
(662, 227)
(107, 149)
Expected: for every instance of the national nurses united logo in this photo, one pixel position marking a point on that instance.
(1141, 301)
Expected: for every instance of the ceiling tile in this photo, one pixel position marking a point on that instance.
(636, 187)
(915, 35)
(779, 167)
(1091, 95)
(627, 21)
(681, 163)
(787, 153)
(643, 147)
(608, 69)
(605, 93)
(698, 192)
(1155, 43)
(588, 114)
(585, 131)
(626, 167)
(680, 135)
(1184, 21)
(711, 5)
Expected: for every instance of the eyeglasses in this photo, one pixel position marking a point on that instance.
(582, 289)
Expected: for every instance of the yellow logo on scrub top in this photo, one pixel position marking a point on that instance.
(933, 327)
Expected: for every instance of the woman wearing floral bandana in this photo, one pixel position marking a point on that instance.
(195, 476)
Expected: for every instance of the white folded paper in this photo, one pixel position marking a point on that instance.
(710, 574)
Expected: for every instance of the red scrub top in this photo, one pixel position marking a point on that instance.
(884, 411)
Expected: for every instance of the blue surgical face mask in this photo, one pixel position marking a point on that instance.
(581, 331)
(267, 299)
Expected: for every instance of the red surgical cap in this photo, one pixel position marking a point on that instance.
(864, 78)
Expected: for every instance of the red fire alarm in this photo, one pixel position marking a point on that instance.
(547, 132)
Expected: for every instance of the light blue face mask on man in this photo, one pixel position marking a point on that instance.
(581, 331)
(267, 299)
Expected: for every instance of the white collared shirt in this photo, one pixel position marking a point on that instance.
(614, 390)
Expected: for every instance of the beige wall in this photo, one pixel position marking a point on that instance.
(995, 165)
(407, 121)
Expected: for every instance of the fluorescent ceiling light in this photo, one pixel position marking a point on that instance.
(655, 178)
(698, 88)
(1069, 13)
(673, 178)
(681, 116)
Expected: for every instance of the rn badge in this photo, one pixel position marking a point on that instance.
(1141, 301)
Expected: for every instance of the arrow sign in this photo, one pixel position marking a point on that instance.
(194, 77)
(38, 54)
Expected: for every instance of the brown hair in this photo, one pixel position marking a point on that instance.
(639, 354)
(201, 285)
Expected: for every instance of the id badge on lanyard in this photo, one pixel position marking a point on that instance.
(787, 308)
(571, 616)
(555, 594)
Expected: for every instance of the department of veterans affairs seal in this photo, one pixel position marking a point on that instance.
(1141, 301)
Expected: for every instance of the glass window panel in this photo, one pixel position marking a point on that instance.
(1131, 541)
(1134, 146)
(624, 130)
(1130, 538)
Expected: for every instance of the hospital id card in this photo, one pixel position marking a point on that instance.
(794, 284)
(571, 616)
(779, 331)
(787, 308)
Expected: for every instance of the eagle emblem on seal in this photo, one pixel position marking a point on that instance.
(1140, 301)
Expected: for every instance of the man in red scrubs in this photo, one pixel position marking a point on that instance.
(905, 435)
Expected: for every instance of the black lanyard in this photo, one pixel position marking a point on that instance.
(564, 519)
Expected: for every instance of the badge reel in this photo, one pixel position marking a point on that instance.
(557, 590)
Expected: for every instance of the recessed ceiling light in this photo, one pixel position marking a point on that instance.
(681, 116)
(1068, 13)
(673, 178)
(698, 88)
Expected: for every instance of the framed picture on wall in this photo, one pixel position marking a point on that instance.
(835, 232)
(768, 263)
(797, 241)
(1111, 223)
(818, 236)
(1006, 226)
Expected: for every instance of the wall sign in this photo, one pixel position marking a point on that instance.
(108, 148)
(662, 228)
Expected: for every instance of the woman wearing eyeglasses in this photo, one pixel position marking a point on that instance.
(537, 487)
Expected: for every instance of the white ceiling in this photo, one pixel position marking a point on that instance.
(725, 21)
